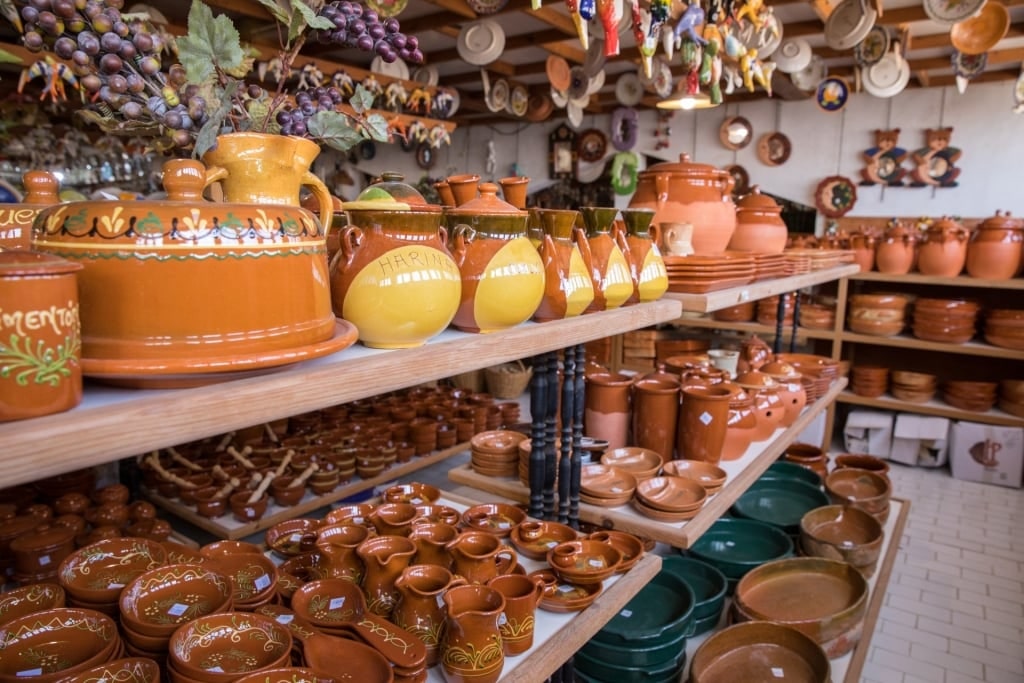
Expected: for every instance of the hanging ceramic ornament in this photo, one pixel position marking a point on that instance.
(966, 67)
(1018, 93)
(647, 43)
(935, 163)
(884, 160)
(610, 13)
(625, 124)
(835, 196)
(582, 29)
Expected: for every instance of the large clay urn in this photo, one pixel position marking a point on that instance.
(605, 259)
(471, 650)
(994, 250)
(759, 224)
(41, 189)
(646, 265)
(394, 277)
(896, 250)
(943, 251)
(502, 273)
(568, 289)
(688, 192)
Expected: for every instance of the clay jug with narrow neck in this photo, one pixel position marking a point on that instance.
(472, 649)
(646, 265)
(605, 260)
(568, 289)
(385, 557)
(337, 545)
(479, 556)
(420, 607)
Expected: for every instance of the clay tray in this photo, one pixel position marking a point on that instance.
(691, 287)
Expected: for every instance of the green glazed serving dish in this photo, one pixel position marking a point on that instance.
(735, 546)
(781, 469)
(709, 587)
(660, 613)
(779, 502)
(603, 671)
(635, 654)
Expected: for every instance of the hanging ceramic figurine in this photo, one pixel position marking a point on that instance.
(935, 164)
(587, 9)
(711, 68)
(648, 43)
(692, 18)
(751, 11)
(884, 160)
(762, 72)
(690, 56)
(719, 11)
(582, 29)
(610, 13)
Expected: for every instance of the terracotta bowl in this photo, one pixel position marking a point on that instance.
(864, 489)
(842, 533)
(876, 328)
(219, 648)
(642, 463)
(533, 539)
(98, 572)
(946, 306)
(672, 494)
(1012, 389)
(284, 494)
(710, 476)
(584, 562)
(292, 536)
(754, 651)
(495, 518)
(253, 578)
(227, 547)
(913, 380)
(55, 643)
(862, 461)
(896, 302)
(29, 599)
(288, 674)
(413, 493)
(358, 513)
(126, 670)
(303, 568)
(157, 602)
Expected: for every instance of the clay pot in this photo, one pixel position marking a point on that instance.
(994, 251)
(808, 456)
(472, 648)
(791, 389)
(41, 188)
(514, 190)
(655, 412)
(943, 251)
(568, 289)
(522, 595)
(703, 421)
(606, 413)
(43, 550)
(502, 274)
(768, 407)
(444, 191)
(420, 607)
(863, 246)
(646, 266)
(742, 423)
(243, 510)
(895, 253)
(759, 225)
(480, 556)
(687, 192)
(385, 557)
(606, 259)
(464, 187)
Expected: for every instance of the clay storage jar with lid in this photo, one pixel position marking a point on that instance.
(16, 219)
(40, 335)
(943, 251)
(688, 192)
(759, 225)
(994, 250)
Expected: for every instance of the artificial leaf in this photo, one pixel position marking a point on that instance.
(361, 100)
(333, 129)
(311, 18)
(278, 9)
(261, 117)
(211, 42)
(8, 58)
(376, 127)
(249, 56)
(207, 136)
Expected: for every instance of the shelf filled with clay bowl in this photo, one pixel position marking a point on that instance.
(741, 473)
(919, 279)
(711, 301)
(848, 667)
(936, 407)
(751, 328)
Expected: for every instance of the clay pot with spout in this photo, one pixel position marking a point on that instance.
(896, 251)
(502, 274)
(994, 251)
(605, 260)
(420, 607)
(646, 265)
(385, 557)
(688, 192)
(568, 289)
(472, 650)
(759, 225)
(337, 544)
(768, 407)
(943, 251)
(479, 556)
(431, 540)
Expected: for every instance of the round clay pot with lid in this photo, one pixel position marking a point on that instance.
(994, 250)
(896, 250)
(41, 188)
(768, 407)
(502, 273)
(759, 224)
(742, 423)
(41, 373)
(864, 245)
(692, 193)
(791, 388)
(943, 251)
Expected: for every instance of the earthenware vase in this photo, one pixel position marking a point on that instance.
(41, 189)
(646, 266)
(703, 420)
(943, 251)
(607, 264)
(607, 407)
(502, 273)
(420, 607)
(568, 289)
(655, 412)
(759, 225)
(385, 557)
(994, 251)
(472, 650)
(896, 252)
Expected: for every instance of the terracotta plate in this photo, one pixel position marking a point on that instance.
(773, 149)
(980, 33)
(671, 494)
(602, 481)
(562, 596)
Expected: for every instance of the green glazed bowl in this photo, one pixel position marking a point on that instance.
(735, 546)
(660, 613)
(706, 581)
(788, 470)
(603, 671)
(635, 654)
(779, 502)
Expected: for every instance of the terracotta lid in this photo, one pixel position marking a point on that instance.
(757, 201)
(756, 379)
(487, 203)
(684, 167)
(23, 262)
(777, 368)
(900, 229)
(1001, 221)
(42, 187)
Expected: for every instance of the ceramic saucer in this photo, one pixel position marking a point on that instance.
(794, 54)
(558, 72)
(832, 94)
(395, 69)
(498, 96)
(848, 24)
(628, 89)
(481, 42)
(519, 101)
(888, 77)
(874, 46)
(427, 75)
(951, 11)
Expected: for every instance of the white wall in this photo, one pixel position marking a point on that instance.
(984, 128)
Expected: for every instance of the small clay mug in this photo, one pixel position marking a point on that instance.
(522, 595)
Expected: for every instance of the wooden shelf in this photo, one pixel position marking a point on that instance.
(933, 407)
(226, 526)
(742, 473)
(723, 298)
(918, 279)
(111, 423)
(971, 348)
(755, 328)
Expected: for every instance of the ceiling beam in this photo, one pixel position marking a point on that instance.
(455, 6)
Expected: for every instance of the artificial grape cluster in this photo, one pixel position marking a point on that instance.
(293, 120)
(358, 27)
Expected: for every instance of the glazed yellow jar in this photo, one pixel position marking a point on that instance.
(568, 289)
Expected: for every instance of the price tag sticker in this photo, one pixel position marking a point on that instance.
(416, 501)
(595, 562)
(566, 588)
(29, 672)
(111, 586)
(706, 418)
(295, 538)
(626, 613)
(503, 525)
(285, 618)
(44, 560)
(778, 672)
(551, 544)
(177, 609)
(216, 669)
(336, 603)
(440, 600)
(616, 489)
(502, 620)
(262, 582)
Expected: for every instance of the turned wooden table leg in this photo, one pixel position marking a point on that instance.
(550, 437)
(565, 448)
(538, 411)
(579, 386)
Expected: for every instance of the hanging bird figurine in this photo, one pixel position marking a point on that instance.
(752, 11)
(582, 29)
(610, 13)
(711, 68)
(688, 24)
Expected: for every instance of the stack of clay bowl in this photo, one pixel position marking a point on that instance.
(709, 475)
(768, 311)
(740, 313)
(817, 316)
(974, 396)
(54, 644)
(220, 648)
(606, 486)
(496, 453)
(816, 372)
(869, 381)
(95, 575)
(863, 489)
(669, 499)
(880, 315)
(950, 321)
(912, 387)
(1011, 396)
(254, 575)
(642, 463)
(843, 533)
(1005, 327)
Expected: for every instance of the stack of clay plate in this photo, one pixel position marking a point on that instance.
(524, 448)
(816, 372)
(768, 311)
(669, 499)
(770, 266)
(707, 474)
(880, 315)
(1005, 327)
(496, 453)
(1011, 396)
(974, 396)
(817, 316)
(642, 463)
(913, 387)
(606, 486)
(950, 321)
(869, 381)
(797, 261)
(697, 274)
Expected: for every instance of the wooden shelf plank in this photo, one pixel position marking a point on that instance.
(754, 328)
(919, 279)
(112, 423)
(723, 298)
(933, 407)
(742, 473)
(971, 348)
(226, 526)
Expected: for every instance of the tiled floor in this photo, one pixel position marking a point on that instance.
(954, 610)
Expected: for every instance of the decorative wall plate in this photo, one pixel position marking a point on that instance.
(981, 32)
(889, 76)
(426, 156)
(735, 132)
(848, 24)
(539, 107)
(968, 66)
(832, 94)
(395, 69)
(628, 89)
(740, 178)
(591, 145)
(481, 42)
(773, 149)
(874, 46)
(558, 72)
(427, 75)
(498, 96)
(519, 102)
(951, 11)
(835, 196)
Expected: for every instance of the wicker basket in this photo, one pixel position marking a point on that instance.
(508, 380)
(470, 381)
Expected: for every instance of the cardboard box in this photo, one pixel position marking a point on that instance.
(920, 440)
(868, 431)
(987, 453)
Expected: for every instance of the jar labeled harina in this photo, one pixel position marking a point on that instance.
(40, 335)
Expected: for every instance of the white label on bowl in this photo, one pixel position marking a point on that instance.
(503, 525)
(502, 620)
(29, 672)
(626, 613)
(43, 560)
(285, 618)
(114, 585)
(357, 519)
(336, 603)
(177, 609)
(551, 544)
(216, 669)
(706, 418)
(440, 600)
(616, 489)
(295, 538)
(778, 672)
(595, 562)
(416, 501)
(566, 588)
(262, 582)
